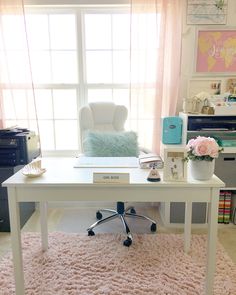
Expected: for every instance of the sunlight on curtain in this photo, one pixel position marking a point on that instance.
(17, 98)
(155, 66)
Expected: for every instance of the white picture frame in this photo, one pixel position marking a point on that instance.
(214, 60)
(202, 12)
(209, 85)
(175, 165)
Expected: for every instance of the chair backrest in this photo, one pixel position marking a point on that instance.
(102, 116)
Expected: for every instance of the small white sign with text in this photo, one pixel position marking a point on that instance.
(99, 177)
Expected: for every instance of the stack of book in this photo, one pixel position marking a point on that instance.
(150, 160)
(224, 207)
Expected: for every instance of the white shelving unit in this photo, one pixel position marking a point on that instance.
(225, 169)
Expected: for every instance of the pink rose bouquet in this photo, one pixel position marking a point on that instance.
(203, 148)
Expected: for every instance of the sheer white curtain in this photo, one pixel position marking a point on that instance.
(16, 87)
(156, 27)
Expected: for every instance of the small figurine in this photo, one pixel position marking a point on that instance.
(154, 175)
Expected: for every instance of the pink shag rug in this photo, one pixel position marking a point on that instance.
(156, 264)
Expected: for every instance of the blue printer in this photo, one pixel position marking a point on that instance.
(18, 146)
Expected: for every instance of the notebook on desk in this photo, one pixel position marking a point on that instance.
(103, 162)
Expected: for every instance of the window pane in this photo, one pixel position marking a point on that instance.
(65, 104)
(146, 103)
(145, 33)
(37, 30)
(64, 67)
(121, 31)
(145, 131)
(46, 134)
(44, 104)
(98, 31)
(121, 96)
(99, 69)
(41, 67)
(1, 42)
(15, 104)
(31, 104)
(17, 68)
(20, 104)
(142, 103)
(8, 104)
(95, 95)
(14, 32)
(3, 68)
(121, 67)
(62, 31)
(66, 134)
(33, 126)
(143, 66)
(151, 66)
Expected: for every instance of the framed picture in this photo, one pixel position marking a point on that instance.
(175, 166)
(215, 51)
(211, 12)
(231, 86)
(211, 86)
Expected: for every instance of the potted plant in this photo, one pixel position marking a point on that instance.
(202, 152)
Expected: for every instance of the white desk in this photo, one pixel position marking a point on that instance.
(62, 182)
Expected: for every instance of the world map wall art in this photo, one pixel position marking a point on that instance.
(216, 51)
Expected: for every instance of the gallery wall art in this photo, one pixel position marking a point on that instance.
(216, 51)
(202, 12)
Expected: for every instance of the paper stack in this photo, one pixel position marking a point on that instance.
(150, 160)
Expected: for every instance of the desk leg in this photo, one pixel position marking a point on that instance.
(44, 225)
(16, 241)
(187, 226)
(212, 240)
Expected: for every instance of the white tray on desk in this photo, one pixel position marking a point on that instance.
(103, 162)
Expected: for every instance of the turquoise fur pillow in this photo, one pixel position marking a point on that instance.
(111, 144)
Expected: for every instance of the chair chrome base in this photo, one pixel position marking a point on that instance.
(122, 214)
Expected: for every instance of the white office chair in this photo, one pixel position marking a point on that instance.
(108, 117)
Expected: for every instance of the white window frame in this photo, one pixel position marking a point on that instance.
(82, 86)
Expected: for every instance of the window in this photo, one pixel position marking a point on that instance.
(77, 56)
(107, 41)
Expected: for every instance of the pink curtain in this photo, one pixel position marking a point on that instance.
(156, 27)
(16, 86)
(14, 7)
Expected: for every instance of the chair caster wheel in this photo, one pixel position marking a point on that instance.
(127, 242)
(133, 211)
(91, 233)
(99, 215)
(153, 227)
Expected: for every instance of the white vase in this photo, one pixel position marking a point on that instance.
(202, 170)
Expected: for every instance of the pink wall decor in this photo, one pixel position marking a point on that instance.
(216, 51)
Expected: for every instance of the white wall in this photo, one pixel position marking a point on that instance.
(189, 44)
